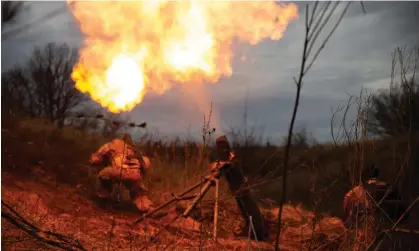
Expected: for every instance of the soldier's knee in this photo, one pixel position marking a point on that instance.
(131, 176)
(105, 182)
(135, 193)
(105, 171)
(103, 177)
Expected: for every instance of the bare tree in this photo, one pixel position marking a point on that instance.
(301, 139)
(395, 111)
(43, 86)
(14, 93)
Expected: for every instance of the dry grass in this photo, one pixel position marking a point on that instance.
(52, 163)
(177, 164)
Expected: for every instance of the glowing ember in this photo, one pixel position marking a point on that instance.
(135, 47)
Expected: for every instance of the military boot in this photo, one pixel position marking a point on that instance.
(240, 228)
(241, 231)
(105, 189)
(143, 204)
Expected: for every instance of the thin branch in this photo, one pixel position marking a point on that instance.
(308, 43)
(14, 32)
(320, 27)
(288, 146)
(51, 238)
(383, 233)
(363, 7)
(327, 38)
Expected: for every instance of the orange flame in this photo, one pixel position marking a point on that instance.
(135, 47)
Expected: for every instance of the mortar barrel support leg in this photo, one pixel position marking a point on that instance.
(170, 201)
(202, 193)
(217, 183)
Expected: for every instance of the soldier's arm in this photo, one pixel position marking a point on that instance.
(99, 154)
(347, 200)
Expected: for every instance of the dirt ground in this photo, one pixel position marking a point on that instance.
(70, 211)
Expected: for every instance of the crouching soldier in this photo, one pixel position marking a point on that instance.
(361, 211)
(125, 165)
(359, 216)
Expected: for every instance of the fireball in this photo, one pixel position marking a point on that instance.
(132, 48)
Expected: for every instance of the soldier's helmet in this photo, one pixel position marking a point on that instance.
(375, 172)
(222, 143)
(127, 139)
(222, 148)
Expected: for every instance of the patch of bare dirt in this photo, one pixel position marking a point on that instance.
(70, 211)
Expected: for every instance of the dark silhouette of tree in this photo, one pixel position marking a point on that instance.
(43, 86)
(395, 111)
(301, 139)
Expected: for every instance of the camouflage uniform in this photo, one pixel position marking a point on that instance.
(359, 216)
(125, 166)
(360, 210)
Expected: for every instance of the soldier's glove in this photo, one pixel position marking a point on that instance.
(94, 160)
(214, 166)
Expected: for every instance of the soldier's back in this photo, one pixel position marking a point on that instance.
(119, 146)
